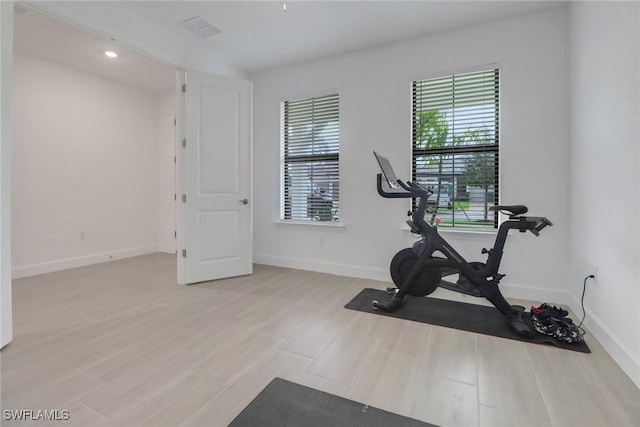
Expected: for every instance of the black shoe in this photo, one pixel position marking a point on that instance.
(551, 310)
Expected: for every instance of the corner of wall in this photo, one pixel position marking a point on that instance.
(6, 57)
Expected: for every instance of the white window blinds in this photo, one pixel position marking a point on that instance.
(310, 152)
(455, 144)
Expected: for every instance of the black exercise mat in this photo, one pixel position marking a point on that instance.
(286, 404)
(458, 315)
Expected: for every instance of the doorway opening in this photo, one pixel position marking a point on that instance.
(93, 161)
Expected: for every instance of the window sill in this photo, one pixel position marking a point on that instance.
(327, 224)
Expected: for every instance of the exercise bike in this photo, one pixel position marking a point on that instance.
(418, 271)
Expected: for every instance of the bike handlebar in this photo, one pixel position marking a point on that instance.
(538, 224)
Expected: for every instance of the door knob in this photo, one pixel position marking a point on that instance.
(244, 201)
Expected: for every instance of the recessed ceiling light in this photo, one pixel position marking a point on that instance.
(111, 54)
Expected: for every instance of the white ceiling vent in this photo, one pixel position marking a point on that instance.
(18, 9)
(199, 26)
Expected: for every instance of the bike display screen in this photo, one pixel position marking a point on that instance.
(387, 170)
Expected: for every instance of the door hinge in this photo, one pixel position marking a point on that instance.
(174, 196)
(175, 234)
(184, 142)
(175, 160)
(184, 198)
(174, 122)
(184, 253)
(184, 88)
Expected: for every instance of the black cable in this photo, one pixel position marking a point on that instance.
(584, 289)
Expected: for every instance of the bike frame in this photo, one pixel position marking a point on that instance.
(486, 279)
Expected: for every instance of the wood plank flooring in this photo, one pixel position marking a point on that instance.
(120, 344)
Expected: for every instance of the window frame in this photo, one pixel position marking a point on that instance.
(453, 150)
(286, 211)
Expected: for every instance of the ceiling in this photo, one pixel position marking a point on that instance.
(255, 35)
(45, 37)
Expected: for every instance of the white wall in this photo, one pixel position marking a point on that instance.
(375, 113)
(85, 168)
(605, 164)
(6, 59)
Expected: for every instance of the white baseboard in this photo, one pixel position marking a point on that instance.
(64, 264)
(382, 274)
(166, 249)
(617, 349)
(325, 267)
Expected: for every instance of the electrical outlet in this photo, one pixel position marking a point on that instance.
(81, 236)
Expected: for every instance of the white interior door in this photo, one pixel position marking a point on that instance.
(216, 176)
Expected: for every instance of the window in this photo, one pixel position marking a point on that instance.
(455, 147)
(310, 153)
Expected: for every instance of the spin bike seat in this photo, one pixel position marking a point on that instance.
(514, 210)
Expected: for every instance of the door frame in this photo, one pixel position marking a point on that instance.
(6, 68)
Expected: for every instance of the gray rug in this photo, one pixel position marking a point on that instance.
(286, 404)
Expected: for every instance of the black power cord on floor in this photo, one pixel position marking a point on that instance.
(584, 289)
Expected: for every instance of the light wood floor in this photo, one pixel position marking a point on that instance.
(120, 344)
